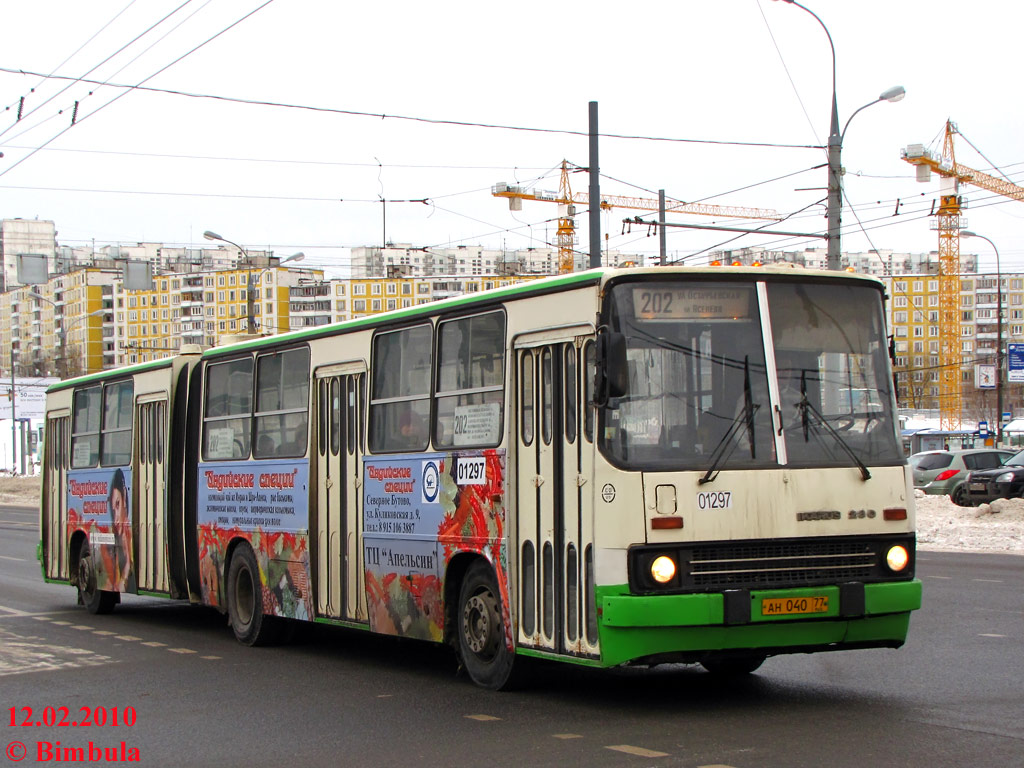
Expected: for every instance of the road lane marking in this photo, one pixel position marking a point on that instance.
(155, 644)
(16, 559)
(629, 749)
(211, 658)
(482, 718)
(62, 623)
(177, 650)
(989, 581)
(128, 638)
(567, 735)
(81, 626)
(103, 632)
(20, 654)
(987, 634)
(946, 578)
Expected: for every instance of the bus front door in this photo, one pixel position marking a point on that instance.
(554, 466)
(339, 590)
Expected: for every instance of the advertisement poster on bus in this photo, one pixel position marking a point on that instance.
(98, 502)
(267, 504)
(418, 512)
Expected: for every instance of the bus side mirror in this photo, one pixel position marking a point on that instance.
(612, 369)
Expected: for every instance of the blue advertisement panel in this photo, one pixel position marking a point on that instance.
(266, 503)
(271, 495)
(98, 502)
(1015, 362)
(418, 512)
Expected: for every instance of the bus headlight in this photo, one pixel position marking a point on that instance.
(897, 558)
(663, 569)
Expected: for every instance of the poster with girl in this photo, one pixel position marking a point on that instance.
(99, 504)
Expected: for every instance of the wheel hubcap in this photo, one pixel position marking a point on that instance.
(86, 577)
(479, 622)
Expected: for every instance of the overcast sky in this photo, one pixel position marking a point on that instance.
(741, 87)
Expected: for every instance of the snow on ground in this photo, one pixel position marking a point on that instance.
(995, 527)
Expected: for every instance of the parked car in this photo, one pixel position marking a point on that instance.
(986, 485)
(941, 473)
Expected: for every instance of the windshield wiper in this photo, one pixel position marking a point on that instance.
(744, 418)
(807, 410)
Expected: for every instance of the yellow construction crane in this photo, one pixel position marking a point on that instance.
(567, 202)
(949, 225)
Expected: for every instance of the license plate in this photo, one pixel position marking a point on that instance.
(977, 486)
(788, 606)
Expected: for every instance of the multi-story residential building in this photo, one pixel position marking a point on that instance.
(61, 327)
(914, 325)
(879, 263)
(405, 260)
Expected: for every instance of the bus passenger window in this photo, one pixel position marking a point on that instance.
(398, 390)
(470, 381)
(85, 428)
(227, 425)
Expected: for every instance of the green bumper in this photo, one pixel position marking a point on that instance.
(637, 626)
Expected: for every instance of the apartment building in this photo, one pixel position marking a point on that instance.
(914, 325)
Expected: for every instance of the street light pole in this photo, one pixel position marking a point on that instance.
(999, 335)
(250, 284)
(833, 214)
(250, 305)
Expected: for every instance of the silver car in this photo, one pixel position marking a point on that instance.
(940, 472)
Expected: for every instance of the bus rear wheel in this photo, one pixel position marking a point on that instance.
(245, 600)
(95, 600)
(481, 630)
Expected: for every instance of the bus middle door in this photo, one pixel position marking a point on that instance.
(338, 457)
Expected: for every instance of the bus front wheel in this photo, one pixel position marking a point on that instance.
(733, 665)
(95, 600)
(245, 600)
(481, 629)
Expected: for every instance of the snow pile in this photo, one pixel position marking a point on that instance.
(995, 527)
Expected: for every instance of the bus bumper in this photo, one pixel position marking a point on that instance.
(684, 627)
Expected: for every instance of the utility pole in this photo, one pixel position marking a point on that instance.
(595, 193)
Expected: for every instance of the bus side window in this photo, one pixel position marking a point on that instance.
(85, 428)
(399, 392)
(470, 387)
(227, 424)
(282, 404)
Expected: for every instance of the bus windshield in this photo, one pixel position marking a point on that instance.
(698, 377)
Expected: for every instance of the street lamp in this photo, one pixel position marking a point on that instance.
(251, 290)
(835, 149)
(250, 295)
(999, 335)
(62, 332)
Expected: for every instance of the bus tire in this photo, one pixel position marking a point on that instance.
(245, 600)
(733, 665)
(95, 600)
(481, 630)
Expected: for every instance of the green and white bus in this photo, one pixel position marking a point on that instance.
(609, 467)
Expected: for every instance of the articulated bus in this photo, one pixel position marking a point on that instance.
(611, 467)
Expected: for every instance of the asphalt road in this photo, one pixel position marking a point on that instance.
(953, 696)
